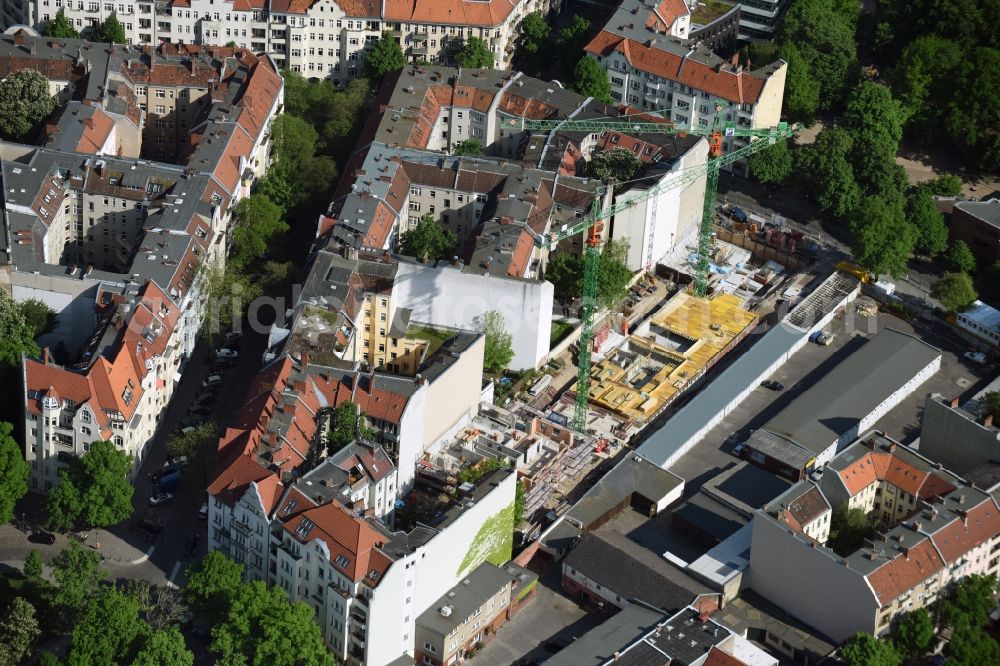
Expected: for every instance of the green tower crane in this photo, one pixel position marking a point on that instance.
(593, 223)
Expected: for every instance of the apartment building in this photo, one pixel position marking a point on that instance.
(319, 38)
(935, 529)
(113, 243)
(466, 616)
(683, 81)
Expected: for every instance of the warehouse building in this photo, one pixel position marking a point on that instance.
(847, 401)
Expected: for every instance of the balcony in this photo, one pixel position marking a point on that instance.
(418, 50)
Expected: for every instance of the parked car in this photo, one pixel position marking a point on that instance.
(738, 214)
(979, 358)
(212, 380)
(226, 353)
(41, 536)
(203, 511)
(160, 498)
(180, 461)
(773, 385)
(825, 339)
(167, 481)
(739, 449)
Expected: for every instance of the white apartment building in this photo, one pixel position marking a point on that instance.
(319, 38)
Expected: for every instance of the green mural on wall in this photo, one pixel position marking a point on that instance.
(493, 543)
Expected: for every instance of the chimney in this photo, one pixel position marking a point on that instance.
(305, 357)
(954, 403)
(192, 67)
(891, 448)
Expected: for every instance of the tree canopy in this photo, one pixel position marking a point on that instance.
(915, 632)
(39, 316)
(771, 165)
(387, 56)
(194, 443)
(849, 527)
(106, 630)
(499, 342)
(882, 239)
(472, 147)
(17, 336)
(960, 257)
(971, 599)
(618, 165)
(347, 424)
(260, 229)
(830, 174)
(25, 103)
(78, 572)
(13, 473)
(109, 31)
(863, 649)
(565, 272)
(475, 54)
(923, 214)
(875, 122)
(534, 36)
(429, 239)
(19, 631)
(954, 291)
(211, 584)
(590, 79)
(573, 37)
(165, 647)
(990, 403)
(60, 27)
(93, 491)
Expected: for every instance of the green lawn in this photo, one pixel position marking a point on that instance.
(709, 10)
(560, 329)
(434, 336)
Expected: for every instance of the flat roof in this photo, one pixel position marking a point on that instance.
(985, 315)
(468, 595)
(780, 448)
(817, 418)
(600, 644)
(632, 475)
(711, 517)
(728, 559)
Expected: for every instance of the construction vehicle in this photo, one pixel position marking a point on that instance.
(593, 223)
(855, 270)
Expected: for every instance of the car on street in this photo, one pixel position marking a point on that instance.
(226, 353)
(160, 498)
(739, 449)
(203, 511)
(979, 358)
(773, 385)
(174, 463)
(212, 380)
(149, 525)
(41, 536)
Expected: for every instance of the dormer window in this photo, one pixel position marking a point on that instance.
(342, 561)
(50, 402)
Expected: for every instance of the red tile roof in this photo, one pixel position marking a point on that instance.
(458, 12)
(235, 479)
(895, 470)
(980, 524)
(96, 130)
(666, 14)
(717, 657)
(742, 87)
(344, 534)
(259, 94)
(903, 573)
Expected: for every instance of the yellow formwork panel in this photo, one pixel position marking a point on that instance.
(709, 324)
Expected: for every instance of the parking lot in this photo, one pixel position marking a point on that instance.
(550, 616)
(957, 377)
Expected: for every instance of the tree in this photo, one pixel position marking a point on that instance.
(13, 473)
(771, 165)
(613, 274)
(475, 54)
(60, 27)
(863, 649)
(875, 121)
(518, 502)
(97, 490)
(24, 103)
(39, 316)
(849, 527)
(294, 143)
(990, 404)
(347, 424)
(618, 165)
(261, 626)
(954, 291)
(228, 294)
(193, 443)
(573, 37)
(972, 598)
(565, 272)
(18, 631)
(429, 239)
(106, 630)
(33, 566)
(78, 572)
(468, 147)
(915, 632)
(971, 646)
(387, 56)
(164, 648)
(945, 185)
(918, 76)
(160, 607)
(831, 176)
(823, 31)
(260, 229)
(109, 31)
(923, 214)
(210, 585)
(960, 257)
(499, 343)
(279, 190)
(319, 175)
(802, 91)
(590, 80)
(534, 35)
(48, 659)
(882, 239)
